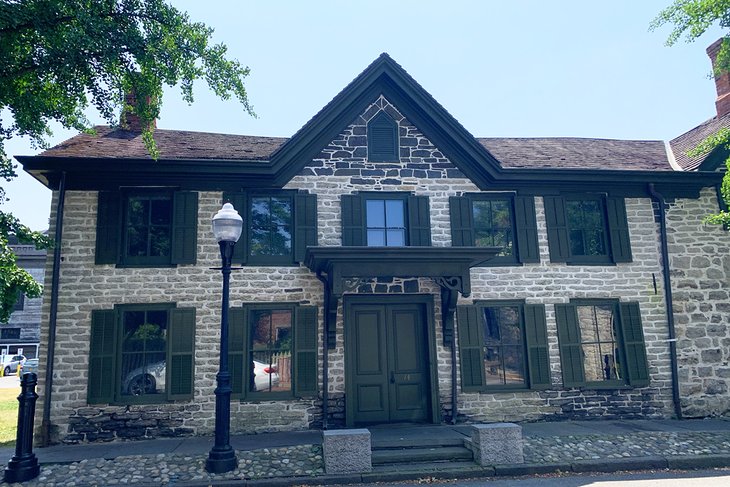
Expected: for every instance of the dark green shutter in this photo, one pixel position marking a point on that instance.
(462, 221)
(108, 227)
(470, 348)
(419, 221)
(181, 353)
(528, 250)
(382, 133)
(240, 204)
(185, 227)
(102, 357)
(238, 350)
(305, 352)
(637, 369)
(557, 228)
(352, 220)
(306, 224)
(618, 230)
(571, 352)
(538, 359)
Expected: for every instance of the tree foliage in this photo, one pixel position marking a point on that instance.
(59, 58)
(690, 19)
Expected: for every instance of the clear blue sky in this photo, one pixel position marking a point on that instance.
(503, 69)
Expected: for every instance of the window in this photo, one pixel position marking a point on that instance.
(503, 346)
(381, 219)
(601, 344)
(278, 226)
(587, 229)
(385, 220)
(19, 303)
(501, 220)
(382, 132)
(146, 228)
(141, 354)
(10, 333)
(273, 351)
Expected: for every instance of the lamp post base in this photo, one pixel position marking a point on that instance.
(221, 461)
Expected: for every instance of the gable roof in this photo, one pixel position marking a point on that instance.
(235, 161)
(690, 139)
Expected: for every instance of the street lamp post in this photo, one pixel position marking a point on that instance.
(227, 226)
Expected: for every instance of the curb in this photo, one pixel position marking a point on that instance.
(604, 465)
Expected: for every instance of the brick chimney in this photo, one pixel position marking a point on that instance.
(131, 121)
(722, 82)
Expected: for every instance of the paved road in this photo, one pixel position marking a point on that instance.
(697, 478)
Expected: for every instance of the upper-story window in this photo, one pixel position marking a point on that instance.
(587, 229)
(601, 343)
(278, 226)
(496, 220)
(381, 219)
(386, 222)
(146, 228)
(383, 138)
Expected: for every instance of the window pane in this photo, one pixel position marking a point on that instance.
(281, 241)
(493, 366)
(161, 211)
(396, 238)
(137, 211)
(280, 211)
(144, 345)
(375, 213)
(394, 215)
(137, 241)
(159, 241)
(376, 238)
(514, 364)
(271, 351)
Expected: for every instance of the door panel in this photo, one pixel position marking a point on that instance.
(390, 380)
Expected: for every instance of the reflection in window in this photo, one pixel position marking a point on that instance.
(148, 226)
(271, 226)
(493, 224)
(504, 359)
(599, 344)
(586, 227)
(271, 351)
(144, 345)
(386, 226)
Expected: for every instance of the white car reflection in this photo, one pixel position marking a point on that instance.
(150, 379)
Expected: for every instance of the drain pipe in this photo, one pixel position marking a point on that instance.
(454, 411)
(325, 350)
(45, 431)
(668, 299)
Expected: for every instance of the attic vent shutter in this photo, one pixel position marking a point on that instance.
(382, 139)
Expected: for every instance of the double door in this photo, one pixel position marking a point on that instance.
(388, 372)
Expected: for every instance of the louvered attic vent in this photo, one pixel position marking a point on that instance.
(382, 139)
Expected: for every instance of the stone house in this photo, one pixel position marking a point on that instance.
(394, 268)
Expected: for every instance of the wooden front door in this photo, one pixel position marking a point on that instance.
(388, 373)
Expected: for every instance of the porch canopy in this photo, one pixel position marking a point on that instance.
(343, 268)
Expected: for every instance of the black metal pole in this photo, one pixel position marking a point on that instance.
(222, 457)
(24, 464)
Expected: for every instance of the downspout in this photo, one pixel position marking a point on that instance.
(46, 421)
(325, 350)
(454, 403)
(668, 299)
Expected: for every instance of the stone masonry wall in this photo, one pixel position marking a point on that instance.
(342, 168)
(700, 263)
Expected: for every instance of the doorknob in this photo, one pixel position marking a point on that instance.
(392, 377)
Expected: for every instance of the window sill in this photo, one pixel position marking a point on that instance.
(145, 266)
(605, 387)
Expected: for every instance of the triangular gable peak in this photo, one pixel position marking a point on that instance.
(414, 154)
(385, 80)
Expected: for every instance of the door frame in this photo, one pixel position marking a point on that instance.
(426, 301)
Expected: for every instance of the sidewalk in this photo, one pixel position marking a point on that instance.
(296, 458)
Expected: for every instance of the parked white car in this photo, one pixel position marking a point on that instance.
(11, 362)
